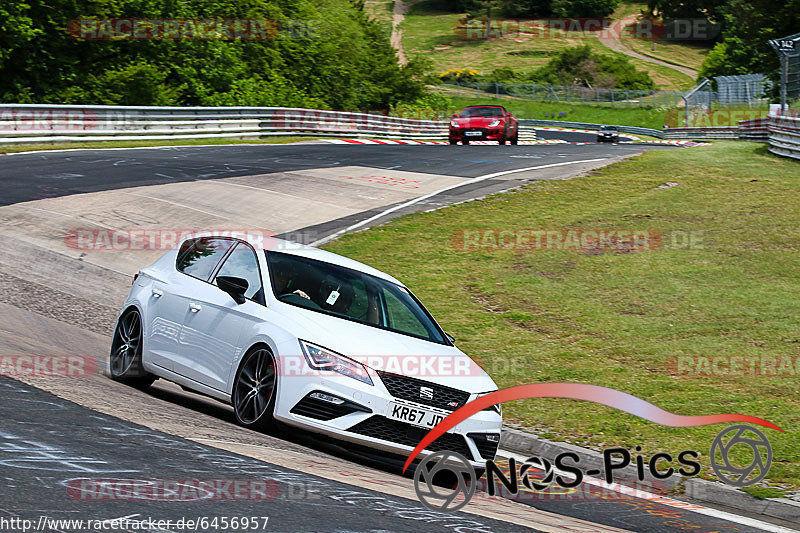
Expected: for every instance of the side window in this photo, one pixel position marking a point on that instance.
(242, 263)
(198, 257)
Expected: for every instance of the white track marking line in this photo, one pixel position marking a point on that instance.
(440, 191)
(60, 214)
(217, 215)
(663, 500)
(220, 182)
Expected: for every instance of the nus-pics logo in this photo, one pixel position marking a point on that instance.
(740, 455)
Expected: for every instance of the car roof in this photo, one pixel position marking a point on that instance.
(471, 106)
(273, 244)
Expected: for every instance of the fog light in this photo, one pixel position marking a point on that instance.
(326, 398)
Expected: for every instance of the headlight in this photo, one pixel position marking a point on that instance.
(320, 358)
(494, 123)
(497, 408)
(454, 123)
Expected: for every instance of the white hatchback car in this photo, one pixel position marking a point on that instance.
(292, 334)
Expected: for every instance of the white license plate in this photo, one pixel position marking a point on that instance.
(473, 133)
(411, 415)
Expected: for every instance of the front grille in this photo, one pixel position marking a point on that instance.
(322, 410)
(411, 389)
(486, 448)
(383, 428)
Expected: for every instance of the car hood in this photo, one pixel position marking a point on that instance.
(477, 122)
(385, 350)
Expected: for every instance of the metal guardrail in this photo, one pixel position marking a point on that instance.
(31, 123)
(784, 136)
(26, 123)
(589, 126)
(754, 130)
(720, 132)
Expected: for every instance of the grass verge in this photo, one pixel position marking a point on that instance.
(618, 319)
(13, 148)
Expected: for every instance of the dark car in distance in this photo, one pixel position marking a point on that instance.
(608, 134)
(484, 123)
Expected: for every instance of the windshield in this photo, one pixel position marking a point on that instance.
(608, 128)
(482, 112)
(350, 294)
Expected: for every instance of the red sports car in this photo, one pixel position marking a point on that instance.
(484, 123)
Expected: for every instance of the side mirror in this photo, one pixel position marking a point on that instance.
(509, 114)
(455, 115)
(236, 287)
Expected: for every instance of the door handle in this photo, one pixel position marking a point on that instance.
(158, 293)
(193, 307)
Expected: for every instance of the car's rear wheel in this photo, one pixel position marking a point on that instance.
(452, 141)
(501, 141)
(465, 141)
(515, 139)
(254, 390)
(125, 360)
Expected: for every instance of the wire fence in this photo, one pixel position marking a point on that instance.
(747, 90)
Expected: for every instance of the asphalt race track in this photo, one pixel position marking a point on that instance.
(57, 298)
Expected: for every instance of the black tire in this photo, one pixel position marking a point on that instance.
(515, 140)
(254, 390)
(453, 142)
(501, 141)
(125, 359)
(465, 142)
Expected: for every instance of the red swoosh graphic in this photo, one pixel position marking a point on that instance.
(579, 391)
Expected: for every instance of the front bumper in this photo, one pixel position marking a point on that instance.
(364, 420)
(486, 134)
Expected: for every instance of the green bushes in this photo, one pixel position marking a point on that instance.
(581, 65)
(577, 66)
(340, 60)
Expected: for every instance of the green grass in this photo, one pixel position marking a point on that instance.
(13, 148)
(762, 493)
(381, 12)
(629, 116)
(615, 319)
(429, 30)
(684, 54)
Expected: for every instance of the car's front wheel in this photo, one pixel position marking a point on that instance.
(465, 141)
(125, 360)
(254, 390)
(453, 141)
